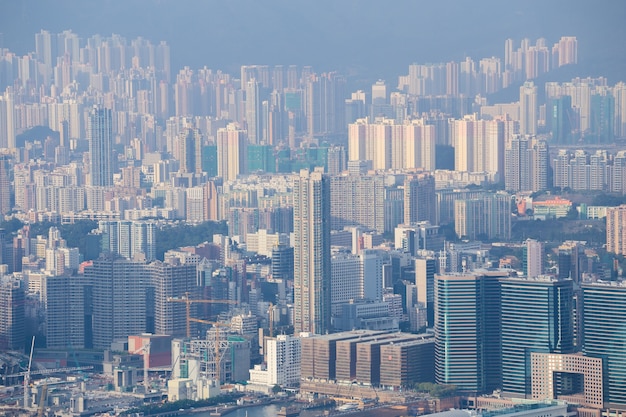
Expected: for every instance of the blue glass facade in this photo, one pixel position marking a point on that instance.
(537, 316)
(467, 331)
(604, 333)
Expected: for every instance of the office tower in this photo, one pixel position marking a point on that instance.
(357, 200)
(533, 253)
(604, 334)
(420, 202)
(190, 151)
(467, 330)
(12, 304)
(616, 230)
(312, 268)
(119, 300)
(253, 111)
(100, 136)
(231, 152)
(526, 164)
(529, 108)
(537, 316)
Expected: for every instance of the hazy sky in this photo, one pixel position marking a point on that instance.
(366, 38)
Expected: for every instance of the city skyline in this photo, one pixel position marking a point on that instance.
(421, 203)
(320, 29)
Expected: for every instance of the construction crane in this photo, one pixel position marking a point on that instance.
(188, 301)
(217, 353)
(27, 376)
(145, 351)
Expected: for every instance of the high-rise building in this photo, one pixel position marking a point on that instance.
(283, 360)
(526, 164)
(12, 305)
(425, 269)
(537, 316)
(5, 186)
(100, 136)
(231, 152)
(325, 104)
(7, 120)
(467, 330)
(253, 112)
(529, 108)
(604, 334)
(312, 268)
(533, 258)
(130, 239)
(357, 200)
(420, 201)
(171, 278)
(390, 144)
(190, 151)
(560, 119)
(616, 230)
(602, 118)
(119, 300)
(479, 145)
(488, 215)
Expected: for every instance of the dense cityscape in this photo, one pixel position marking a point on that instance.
(192, 240)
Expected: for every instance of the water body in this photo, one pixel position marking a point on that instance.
(270, 410)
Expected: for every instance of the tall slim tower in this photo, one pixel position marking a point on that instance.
(5, 185)
(616, 230)
(253, 111)
(528, 108)
(231, 152)
(100, 136)
(533, 258)
(312, 267)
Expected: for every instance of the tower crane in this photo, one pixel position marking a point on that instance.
(27, 376)
(217, 353)
(188, 301)
(145, 351)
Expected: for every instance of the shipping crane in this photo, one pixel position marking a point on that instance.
(188, 301)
